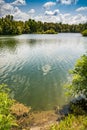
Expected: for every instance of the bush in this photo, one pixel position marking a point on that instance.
(84, 33)
(78, 89)
(6, 119)
(71, 122)
(51, 31)
(78, 86)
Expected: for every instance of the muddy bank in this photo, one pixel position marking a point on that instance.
(28, 120)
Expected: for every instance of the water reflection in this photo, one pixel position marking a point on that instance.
(8, 44)
(36, 66)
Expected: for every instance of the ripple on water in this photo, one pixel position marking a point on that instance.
(46, 69)
(39, 67)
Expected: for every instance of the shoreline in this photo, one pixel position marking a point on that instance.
(28, 120)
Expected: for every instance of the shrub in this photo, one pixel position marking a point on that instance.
(78, 86)
(78, 89)
(71, 122)
(51, 31)
(6, 119)
(84, 33)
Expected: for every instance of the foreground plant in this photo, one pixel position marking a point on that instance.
(78, 86)
(6, 119)
(77, 89)
(71, 122)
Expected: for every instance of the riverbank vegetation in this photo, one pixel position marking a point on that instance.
(77, 119)
(78, 86)
(16, 116)
(26, 119)
(84, 33)
(6, 118)
(71, 122)
(8, 26)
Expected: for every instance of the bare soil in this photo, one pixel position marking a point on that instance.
(28, 120)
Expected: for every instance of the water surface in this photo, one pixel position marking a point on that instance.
(36, 66)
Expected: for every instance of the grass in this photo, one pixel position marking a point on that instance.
(20, 110)
(71, 122)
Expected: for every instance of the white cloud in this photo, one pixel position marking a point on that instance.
(53, 18)
(79, 18)
(63, 18)
(19, 2)
(50, 13)
(19, 15)
(31, 11)
(9, 8)
(2, 2)
(48, 16)
(66, 2)
(67, 15)
(81, 9)
(5, 9)
(49, 4)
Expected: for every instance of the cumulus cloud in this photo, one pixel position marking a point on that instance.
(79, 18)
(19, 2)
(49, 4)
(66, 2)
(2, 2)
(19, 15)
(66, 18)
(31, 11)
(76, 19)
(5, 9)
(10, 8)
(50, 13)
(81, 9)
(48, 16)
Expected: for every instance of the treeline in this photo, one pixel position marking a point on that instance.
(8, 26)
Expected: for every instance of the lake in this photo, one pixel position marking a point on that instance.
(36, 66)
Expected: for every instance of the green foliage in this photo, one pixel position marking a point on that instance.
(84, 33)
(6, 119)
(0, 30)
(77, 109)
(26, 29)
(33, 26)
(51, 31)
(8, 26)
(71, 122)
(78, 85)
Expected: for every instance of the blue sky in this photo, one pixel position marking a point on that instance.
(65, 11)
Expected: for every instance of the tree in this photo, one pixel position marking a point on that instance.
(79, 78)
(51, 31)
(84, 33)
(40, 28)
(9, 17)
(8, 26)
(26, 29)
(33, 25)
(0, 30)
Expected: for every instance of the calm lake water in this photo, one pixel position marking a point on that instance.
(36, 67)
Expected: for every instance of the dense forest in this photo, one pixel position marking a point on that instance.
(8, 26)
